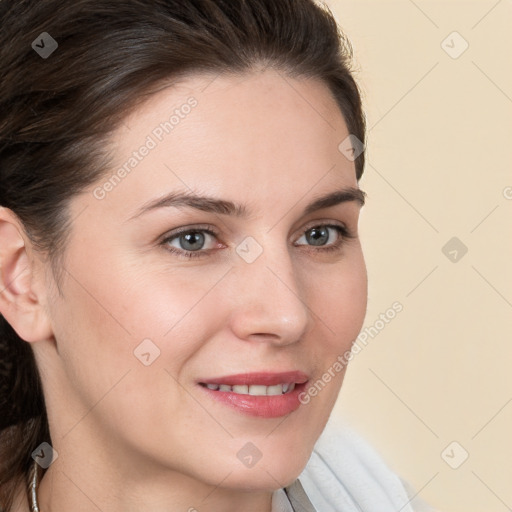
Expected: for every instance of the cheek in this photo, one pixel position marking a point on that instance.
(100, 330)
(340, 298)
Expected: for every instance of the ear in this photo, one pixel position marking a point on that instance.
(22, 287)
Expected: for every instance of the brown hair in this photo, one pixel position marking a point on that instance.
(58, 109)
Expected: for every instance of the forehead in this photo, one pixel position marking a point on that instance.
(249, 109)
(253, 134)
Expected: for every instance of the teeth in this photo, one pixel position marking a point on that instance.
(254, 389)
(257, 390)
(275, 390)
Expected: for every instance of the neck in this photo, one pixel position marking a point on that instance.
(74, 490)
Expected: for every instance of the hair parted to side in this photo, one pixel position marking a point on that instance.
(57, 112)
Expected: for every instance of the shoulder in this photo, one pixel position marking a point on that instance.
(345, 473)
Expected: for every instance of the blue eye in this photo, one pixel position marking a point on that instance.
(319, 235)
(190, 242)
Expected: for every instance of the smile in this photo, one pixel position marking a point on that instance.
(254, 390)
(262, 394)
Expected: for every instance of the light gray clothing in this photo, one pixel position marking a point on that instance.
(345, 474)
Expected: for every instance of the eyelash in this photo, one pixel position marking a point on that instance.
(336, 246)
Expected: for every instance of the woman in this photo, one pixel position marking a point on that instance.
(179, 257)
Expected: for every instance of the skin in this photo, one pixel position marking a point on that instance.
(140, 438)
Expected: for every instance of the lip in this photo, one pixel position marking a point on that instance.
(261, 378)
(268, 406)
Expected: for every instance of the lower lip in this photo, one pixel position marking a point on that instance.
(268, 406)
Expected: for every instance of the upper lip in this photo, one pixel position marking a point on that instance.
(261, 378)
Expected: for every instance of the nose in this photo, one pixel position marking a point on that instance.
(269, 302)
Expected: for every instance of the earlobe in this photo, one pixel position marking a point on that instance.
(21, 301)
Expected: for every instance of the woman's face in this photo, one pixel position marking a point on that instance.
(142, 327)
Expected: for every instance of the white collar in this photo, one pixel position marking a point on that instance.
(280, 502)
(292, 498)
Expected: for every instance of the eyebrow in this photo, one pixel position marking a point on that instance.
(225, 207)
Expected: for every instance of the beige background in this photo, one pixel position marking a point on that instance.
(439, 155)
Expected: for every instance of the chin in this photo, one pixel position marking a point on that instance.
(269, 477)
(278, 469)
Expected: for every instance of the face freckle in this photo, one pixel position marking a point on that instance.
(143, 328)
